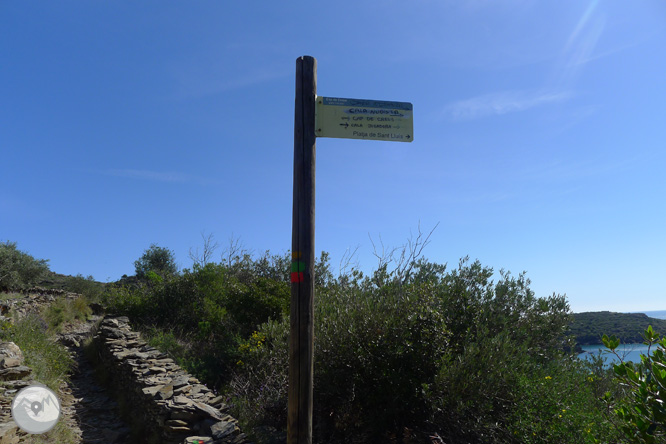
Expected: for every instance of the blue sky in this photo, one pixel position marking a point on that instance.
(539, 134)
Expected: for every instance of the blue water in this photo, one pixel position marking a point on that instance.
(628, 352)
(659, 314)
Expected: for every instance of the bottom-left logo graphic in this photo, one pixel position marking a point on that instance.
(36, 409)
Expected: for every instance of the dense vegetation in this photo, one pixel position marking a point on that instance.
(415, 350)
(18, 269)
(410, 353)
(589, 327)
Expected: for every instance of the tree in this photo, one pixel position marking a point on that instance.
(19, 269)
(158, 260)
(209, 247)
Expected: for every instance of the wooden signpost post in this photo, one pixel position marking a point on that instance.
(321, 117)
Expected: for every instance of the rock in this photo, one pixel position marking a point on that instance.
(168, 401)
(180, 381)
(165, 392)
(10, 362)
(14, 373)
(223, 429)
(7, 430)
(11, 353)
(152, 391)
(207, 410)
(96, 308)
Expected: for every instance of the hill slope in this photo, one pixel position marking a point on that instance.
(589, 327)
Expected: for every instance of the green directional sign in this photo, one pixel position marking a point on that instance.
(364, 119)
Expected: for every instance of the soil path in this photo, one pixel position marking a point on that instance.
(87, 408)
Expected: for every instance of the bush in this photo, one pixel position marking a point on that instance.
(642, 413)
(210, 308)
(158, 260)
(86, 286)
(376, 355)
(559, 403)
(18, 269)
(430, 352)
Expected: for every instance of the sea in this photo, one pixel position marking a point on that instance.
(628, 352)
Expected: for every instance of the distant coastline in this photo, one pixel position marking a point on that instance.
(657, 314)
(589, 327)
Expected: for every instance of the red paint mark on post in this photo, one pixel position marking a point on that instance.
(297, 277)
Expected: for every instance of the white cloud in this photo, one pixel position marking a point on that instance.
(504, 102)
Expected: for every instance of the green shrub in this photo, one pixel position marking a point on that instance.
(86, 286)
(18, 269)
(642, 413)
(375, 358)
(131, 301)
(449, 353)
(559, 403)
(157, 259)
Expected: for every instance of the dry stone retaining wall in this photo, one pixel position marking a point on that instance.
(14, 376)
(161, 397)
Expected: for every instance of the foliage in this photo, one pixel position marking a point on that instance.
(157, 259)
(18, 269)
(413, 347)
(589, 327)
(560, 403)
(376, 356)
(211, 307)
(447, 352)
(642, 414)
(86, 286)
(50, 361)
(65, 311)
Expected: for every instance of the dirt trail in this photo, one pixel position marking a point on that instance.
(87, 407)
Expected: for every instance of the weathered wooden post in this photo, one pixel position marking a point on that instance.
(321, 117)
(301, 340)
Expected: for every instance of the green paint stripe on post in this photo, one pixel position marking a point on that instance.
(297, 266)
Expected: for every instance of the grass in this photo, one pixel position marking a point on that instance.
(65, 311)
(9, 296)
(50, 361)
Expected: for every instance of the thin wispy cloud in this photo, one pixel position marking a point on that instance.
(581, 44)
(157, 176)
(505, 102)
(582, 22)
(200, 79)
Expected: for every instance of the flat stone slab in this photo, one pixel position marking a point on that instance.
(14, 373)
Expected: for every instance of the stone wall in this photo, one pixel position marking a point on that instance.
(167, 403)
(14, 376)
(35, 299)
